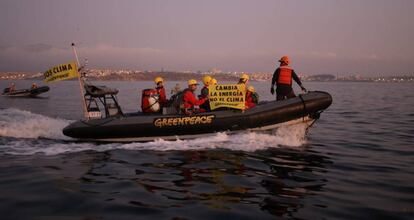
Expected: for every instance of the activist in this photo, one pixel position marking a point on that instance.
(283, 78)
(204, 92)
(160, 90)
(12, 87)
(176, 89)
(34, 86)
(243, 79)
(213, 81)
(190, 103)
(252, 98)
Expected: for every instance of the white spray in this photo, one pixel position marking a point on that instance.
(25, 129)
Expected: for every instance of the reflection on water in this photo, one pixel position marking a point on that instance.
(218, 182)
(356, 163)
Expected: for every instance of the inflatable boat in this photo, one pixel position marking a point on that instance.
(112, 125)
(33, 92)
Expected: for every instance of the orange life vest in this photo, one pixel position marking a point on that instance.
(285, 75)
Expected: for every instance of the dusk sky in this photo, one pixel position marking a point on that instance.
(367, 37)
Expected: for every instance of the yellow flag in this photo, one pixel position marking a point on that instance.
(228, 95)
(61, 72)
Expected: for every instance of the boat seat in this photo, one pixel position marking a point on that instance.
(99, 91)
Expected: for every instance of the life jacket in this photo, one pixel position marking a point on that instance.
(150, 101)
(185, 107)
(186, 104)
(162, 95)
(190, 103)
(252, 99)
(285, 75)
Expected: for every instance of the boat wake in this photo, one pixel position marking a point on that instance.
(26, 133)
(24, 124)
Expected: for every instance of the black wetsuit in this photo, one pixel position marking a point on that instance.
(204, 94)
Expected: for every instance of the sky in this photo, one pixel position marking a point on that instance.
(340, 37)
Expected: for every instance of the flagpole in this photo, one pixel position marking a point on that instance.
(85, 111)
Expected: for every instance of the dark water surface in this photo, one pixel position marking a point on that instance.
(357, 162)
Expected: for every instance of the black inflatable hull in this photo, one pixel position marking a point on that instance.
(26, 92)
(140, 127)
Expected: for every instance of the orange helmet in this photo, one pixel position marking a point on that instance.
(285, 59)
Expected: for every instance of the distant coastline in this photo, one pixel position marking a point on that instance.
(133, 75)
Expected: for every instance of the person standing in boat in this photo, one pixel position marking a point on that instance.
(34, 86)
(282, 77)
(204, 92)
(252, 98)
(190, 102)
(160, 90)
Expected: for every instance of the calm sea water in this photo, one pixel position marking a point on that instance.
(356, 162)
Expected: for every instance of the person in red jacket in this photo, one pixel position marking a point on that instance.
(190, 102)
(252, 98)
(160, 90)
(283, 78)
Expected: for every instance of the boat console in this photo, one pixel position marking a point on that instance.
(101, 99)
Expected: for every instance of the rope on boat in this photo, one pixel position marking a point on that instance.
(314, 116)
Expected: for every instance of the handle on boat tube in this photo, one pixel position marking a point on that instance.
(304, 105)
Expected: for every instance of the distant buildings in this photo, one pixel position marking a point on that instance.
(19, 75)
(138, 75)
(320, 78)
(356, 78)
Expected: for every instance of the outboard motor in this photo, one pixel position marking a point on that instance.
(150, 101)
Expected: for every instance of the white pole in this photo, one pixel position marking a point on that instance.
(85, 111)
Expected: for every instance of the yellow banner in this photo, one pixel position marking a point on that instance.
(61, 72)
(228, 95)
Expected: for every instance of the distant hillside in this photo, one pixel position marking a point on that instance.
(149, 76)
(321, 77)
(134, 75)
